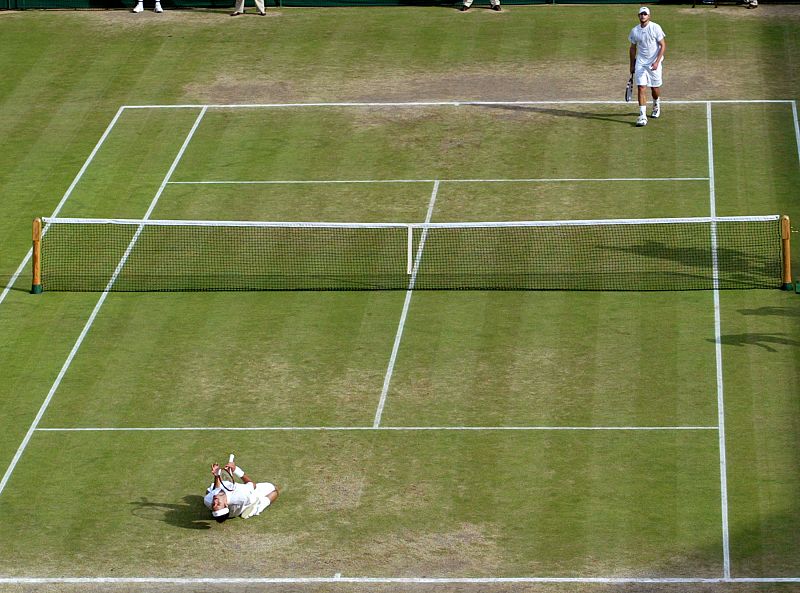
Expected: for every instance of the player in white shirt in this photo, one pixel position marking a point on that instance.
(648, 45)
(245, 500)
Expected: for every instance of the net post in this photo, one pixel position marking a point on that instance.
(786, 233)
(409, 250)
(36, 285)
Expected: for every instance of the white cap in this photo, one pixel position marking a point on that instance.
(220, 512)
(644, 10)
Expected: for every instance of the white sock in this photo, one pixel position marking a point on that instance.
(642, 109)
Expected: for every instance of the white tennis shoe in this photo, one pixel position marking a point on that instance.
(139, 7)
(642, 121)
(656, 111)
(158, 7)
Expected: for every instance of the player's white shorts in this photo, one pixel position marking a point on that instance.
(644, 76)
(265, 488)
(259, 500)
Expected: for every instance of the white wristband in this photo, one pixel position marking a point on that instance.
(238, 472)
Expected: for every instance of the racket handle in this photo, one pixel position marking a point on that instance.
(230, 459)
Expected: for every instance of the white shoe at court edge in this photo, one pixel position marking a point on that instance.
(656, 111)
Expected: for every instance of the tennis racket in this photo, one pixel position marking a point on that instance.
(226, 477)
(629, 89)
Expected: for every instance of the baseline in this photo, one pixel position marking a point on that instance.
(439, 103)
(369, 428)
(338, 578)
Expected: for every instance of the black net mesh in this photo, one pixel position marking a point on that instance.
(603, 256)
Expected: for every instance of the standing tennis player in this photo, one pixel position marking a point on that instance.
(232, 499)
(647, 56)
(495, 4)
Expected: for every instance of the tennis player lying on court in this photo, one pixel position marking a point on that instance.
(226, 498)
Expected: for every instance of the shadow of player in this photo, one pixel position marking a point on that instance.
(756, 339)
(772, 311)
(614, 117)
(191, 513)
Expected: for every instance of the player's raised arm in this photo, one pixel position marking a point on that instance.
(215, 473)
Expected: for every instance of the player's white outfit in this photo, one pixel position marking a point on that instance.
(245, 500)
(468, 3)
(646, 41)
(140, 6)
(239, 7)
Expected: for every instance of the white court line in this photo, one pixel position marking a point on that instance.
(373, 428)
(354, 181)
(95, 311)
(796, 128)
(406, 304)
(437, 103)
(64, 198)
(723, 472)
(230, 580)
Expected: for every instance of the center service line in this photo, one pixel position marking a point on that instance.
(388, 378)
(723, 471)
(95, 311)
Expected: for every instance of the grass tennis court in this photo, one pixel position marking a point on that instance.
(430, 440)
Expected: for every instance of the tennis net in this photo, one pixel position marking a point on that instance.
(626, 254)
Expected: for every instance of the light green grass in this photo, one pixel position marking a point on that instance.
(397, 504)
(390, 503)
(553, 359)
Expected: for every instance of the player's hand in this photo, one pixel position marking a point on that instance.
(215, 469)
(654, 66)
(230, 466)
